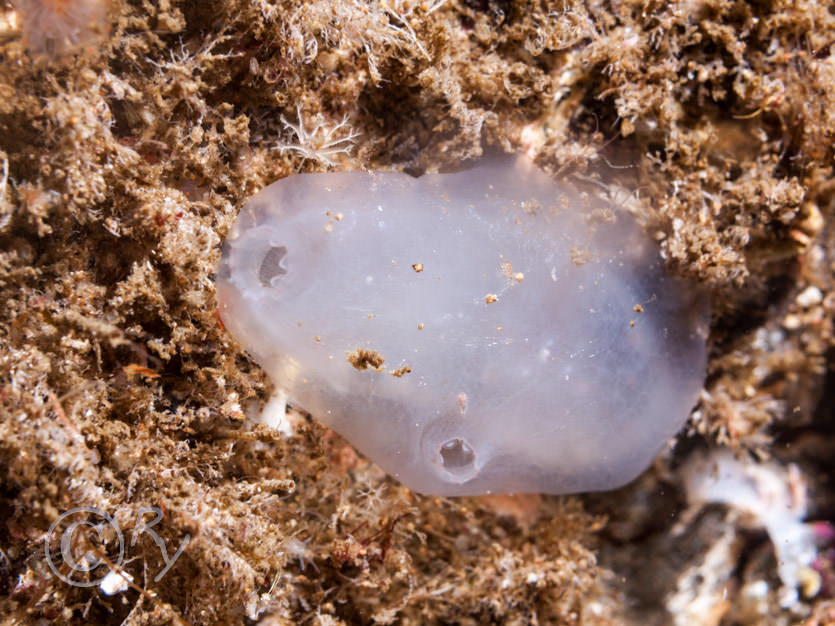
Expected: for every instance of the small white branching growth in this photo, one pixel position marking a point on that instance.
(321, 143)
(406, 31)
(183, 73)
(189, 63)
(302, 551)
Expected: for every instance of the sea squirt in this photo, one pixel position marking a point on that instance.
(485, 331)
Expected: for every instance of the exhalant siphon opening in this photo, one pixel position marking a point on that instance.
(458, 458)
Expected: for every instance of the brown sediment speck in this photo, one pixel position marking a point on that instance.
(638, 308)
(602, 215)
(579, 256)
(400, 371)
(490, 298)
(418, 267)
(532, 206)
(363, 359)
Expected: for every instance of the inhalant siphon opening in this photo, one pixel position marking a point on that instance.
(272, 265)
(451, 456)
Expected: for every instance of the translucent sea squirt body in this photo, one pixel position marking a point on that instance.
(479, 332)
